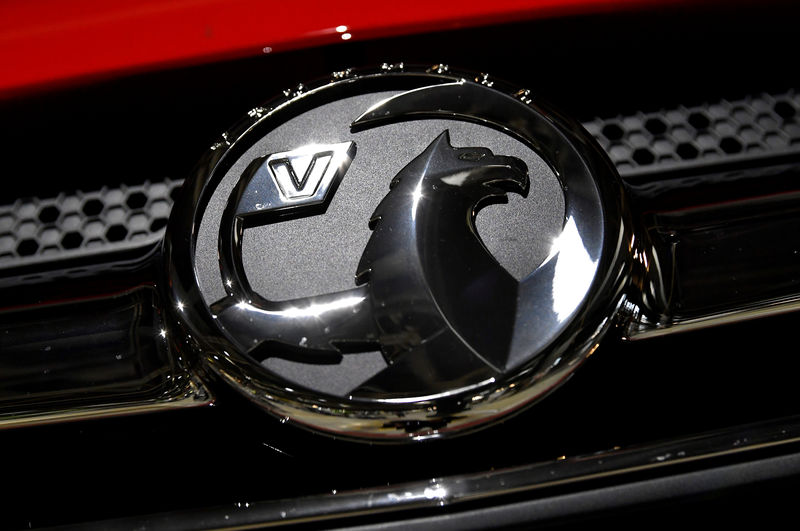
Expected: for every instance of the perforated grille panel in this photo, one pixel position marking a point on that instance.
(708, 133)
(70, 225)
(85, 223)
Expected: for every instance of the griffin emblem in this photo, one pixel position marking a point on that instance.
(429, 295)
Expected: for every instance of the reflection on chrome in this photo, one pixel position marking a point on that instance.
(574, 270)
(435, 492)
(302, 176)
(417, 195)
(314, 310)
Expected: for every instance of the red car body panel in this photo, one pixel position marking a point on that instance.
(51, 43)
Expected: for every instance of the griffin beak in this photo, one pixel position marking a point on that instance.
(512, 175)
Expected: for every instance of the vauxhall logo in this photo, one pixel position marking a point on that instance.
(299, 173)
(413, 298)
(431, 333)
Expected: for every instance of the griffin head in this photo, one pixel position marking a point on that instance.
(428, 273)
(473, 172)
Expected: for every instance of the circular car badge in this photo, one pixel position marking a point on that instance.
(398, 254)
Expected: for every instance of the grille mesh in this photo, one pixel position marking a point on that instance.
(77, 224)
(765, 124)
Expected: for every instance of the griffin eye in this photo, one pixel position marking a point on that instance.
(472, 156)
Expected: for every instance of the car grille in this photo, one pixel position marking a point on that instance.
(89, 222)
(696, 100)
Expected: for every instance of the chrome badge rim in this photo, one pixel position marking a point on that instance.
(564, 307)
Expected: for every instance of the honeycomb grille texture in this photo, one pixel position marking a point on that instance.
(80, 223)
(754, 126)
(34, 230)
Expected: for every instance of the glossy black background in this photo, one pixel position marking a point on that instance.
(231, 452)
(154, 125)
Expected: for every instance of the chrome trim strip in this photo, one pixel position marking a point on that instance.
(725, 241)
(88, 356)
(438, 492)
(594, 502)
(642, 329)
(194, 395)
